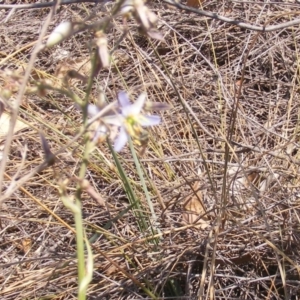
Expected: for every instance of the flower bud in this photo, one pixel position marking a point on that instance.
(5, 93)
(126, 8)
(60, 33)
(103, 53)
(49, 156)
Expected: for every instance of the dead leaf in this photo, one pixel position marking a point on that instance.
(194, 207)
(242, 186)
(5, 123)
(111, 270)
(266, 183)
(26, 245)
(238, 83)
(194, 3)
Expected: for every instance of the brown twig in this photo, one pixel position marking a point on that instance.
(238, 23)
(47, 4)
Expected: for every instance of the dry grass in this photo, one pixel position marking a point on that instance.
(247, 245)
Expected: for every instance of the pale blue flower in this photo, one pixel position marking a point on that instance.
(127, 117)
(132, 120)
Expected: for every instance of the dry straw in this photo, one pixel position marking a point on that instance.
(234, 120)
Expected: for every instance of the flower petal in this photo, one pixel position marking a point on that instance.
(116, 120)
(137, 106)
(100, 133)
(92, 110)
(149, 120)
(121, 140)
(156, 106)
(123, 99)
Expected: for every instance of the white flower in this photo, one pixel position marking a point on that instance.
(143, 15)
(127, 117)
(132, 120)
(127, 7)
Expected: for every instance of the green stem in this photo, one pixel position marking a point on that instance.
(153, 224)
(80, 247)
(78, 219)
(83, 168)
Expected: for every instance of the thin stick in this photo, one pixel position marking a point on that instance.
(238, 23)
(47, 4)
(20, 96)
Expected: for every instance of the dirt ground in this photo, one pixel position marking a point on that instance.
(222, 169)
